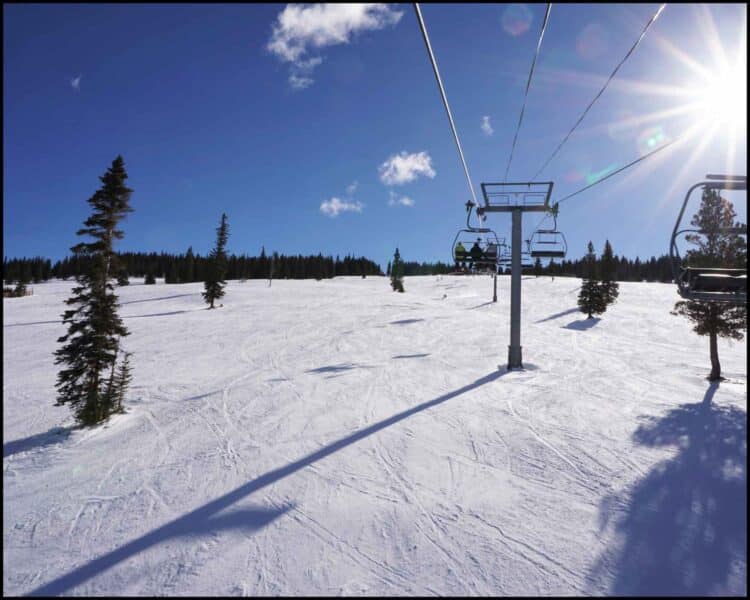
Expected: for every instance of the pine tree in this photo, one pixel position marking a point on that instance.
(591, 297)
(188, 275)
(173, 275)
(715, 248)
(122, 277)
(149, 279)
(94, 327)
(122, 381)
(610, 287)
(537, 267)
(397, 272)
(214, 283)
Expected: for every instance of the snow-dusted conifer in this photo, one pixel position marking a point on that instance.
(397, 271)
(715, 248)
(94, 327)
(610, 288)
(591, 297)
(214, 283)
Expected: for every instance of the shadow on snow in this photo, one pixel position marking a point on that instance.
(560, 314)
(157, 299)
(203, 520)
(338, 368)
(583, 324)
(685, 526)
(55, 435)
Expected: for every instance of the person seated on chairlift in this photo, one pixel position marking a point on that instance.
(476, 252)
(459, 253)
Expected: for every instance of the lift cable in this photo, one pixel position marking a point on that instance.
(528, 84)
(617, 68)
(613, 173)
(445, 99)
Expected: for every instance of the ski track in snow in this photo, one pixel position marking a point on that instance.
(496, 483)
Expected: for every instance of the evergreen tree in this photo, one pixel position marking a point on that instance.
(122, 381)
(122, 277)
(610, 288)
(388, 269)
(94, 327)
(715, 247)
(214, 282)
(20, 289)
(149, 278)
(397, 272)
(188, 275)
(591, 297)
(537, 267)
(173, 275)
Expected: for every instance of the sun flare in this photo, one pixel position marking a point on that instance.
(723, 99)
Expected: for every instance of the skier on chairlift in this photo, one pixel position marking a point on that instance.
(476, 252)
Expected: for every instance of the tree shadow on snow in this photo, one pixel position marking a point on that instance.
(405, 321)
(684, 530)
(583, 324)
(203, 519)
(558, 315)
(338, 368)
(411, 355)
(56, 435)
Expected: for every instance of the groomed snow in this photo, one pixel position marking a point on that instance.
(334, 437)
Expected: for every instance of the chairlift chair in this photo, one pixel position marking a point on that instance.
(716, 283)
(548, 243)
(492, 246)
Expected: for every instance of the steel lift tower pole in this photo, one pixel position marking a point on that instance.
(516, 198)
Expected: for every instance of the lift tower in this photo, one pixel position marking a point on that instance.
(515, 198)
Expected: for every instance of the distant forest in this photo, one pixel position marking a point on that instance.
(654, 269)
(189, 267)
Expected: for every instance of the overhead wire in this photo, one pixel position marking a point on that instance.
(598, 95)
(445, 99)
(528, 84)
(612, 174)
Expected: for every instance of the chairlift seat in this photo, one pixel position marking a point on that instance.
(547, 254)
(716, 280)
(708, 284)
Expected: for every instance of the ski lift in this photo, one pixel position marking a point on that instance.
(548, 243)
(526, 262)
(710, 283)
(492, 247)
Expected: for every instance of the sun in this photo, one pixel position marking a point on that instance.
(723, 98)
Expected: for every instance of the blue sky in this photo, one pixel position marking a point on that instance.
(318, 130)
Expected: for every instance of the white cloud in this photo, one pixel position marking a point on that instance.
(75, 83)
(403, 168)
(394, 200)
(335, 205)
(300, 28)
(486, 127)
(299, 82)
(350, 189)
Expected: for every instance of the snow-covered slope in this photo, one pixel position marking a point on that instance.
(334, 437)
